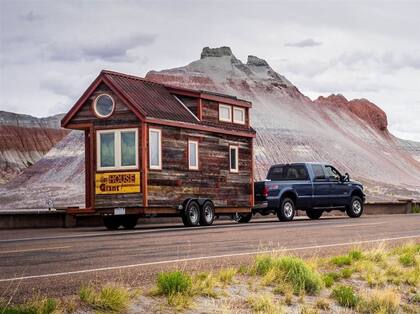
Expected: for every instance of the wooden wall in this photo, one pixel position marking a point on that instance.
(174, 183)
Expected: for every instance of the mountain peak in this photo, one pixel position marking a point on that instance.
(255, 61)
(216, 52)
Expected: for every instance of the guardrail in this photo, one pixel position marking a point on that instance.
(44, 218)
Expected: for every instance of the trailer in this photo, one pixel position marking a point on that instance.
(156, 150)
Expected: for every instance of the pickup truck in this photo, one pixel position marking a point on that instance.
(310, 187)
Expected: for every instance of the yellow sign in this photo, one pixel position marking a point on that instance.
(117, 182)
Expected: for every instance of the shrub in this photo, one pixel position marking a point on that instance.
(264, 304)
(381, 301)
(341, 260)
(323, 304)
(110, 298)
(415, 209)
(345, 296)
(356, 254)
(203, 284)
(263, 264)
(173, 282)
(346, 272)
(35, 306)
(408, 259)
(330, 278)
(226, 275)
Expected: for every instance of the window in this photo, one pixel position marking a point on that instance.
(155, 149)
(233, 159)
(239, 115)
(332, 173)
(225, 113)
(318, 172)
(103, 106)
(288, 173)
(193, 155)
(117, 149)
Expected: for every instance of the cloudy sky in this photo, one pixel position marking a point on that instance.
(51, 50)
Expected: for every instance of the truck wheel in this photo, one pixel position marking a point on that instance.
(207, 214)
(129, 221)
(191, 214)
(242, 218)
(314, 213)
(286, 212)
(111, 222)
(355, 209)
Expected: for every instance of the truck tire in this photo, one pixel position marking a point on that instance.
(207, 214)
(314, 213)
(129, 221)
(287, 210)
(191, 214)
(355, 209)
(242, 218)
(111, 222)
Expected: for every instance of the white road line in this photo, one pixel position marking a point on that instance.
(36, 249)
(204, 258)
(360, 225)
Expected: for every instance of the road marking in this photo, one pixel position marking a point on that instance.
(36, 249)
(204, 258)
(361, 225)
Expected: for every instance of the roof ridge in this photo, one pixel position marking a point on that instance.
(129, 76)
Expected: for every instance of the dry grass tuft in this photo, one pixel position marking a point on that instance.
(380, 301)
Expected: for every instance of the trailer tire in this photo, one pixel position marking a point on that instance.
(287, 210)
(191, 214)
(129, 221)
(207, 214)
(314, 213)
(111, 222)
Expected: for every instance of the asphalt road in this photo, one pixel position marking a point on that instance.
(58, 261)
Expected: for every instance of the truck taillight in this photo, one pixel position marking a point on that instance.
(265, 191)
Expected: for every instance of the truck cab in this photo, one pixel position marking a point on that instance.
(311, 187)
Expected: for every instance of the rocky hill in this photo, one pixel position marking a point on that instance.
(24, 140)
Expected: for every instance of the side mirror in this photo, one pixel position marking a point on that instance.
(346, 177)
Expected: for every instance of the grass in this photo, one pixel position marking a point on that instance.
(323, 304)
(415, 209)
(173, 282)
(341, 260)
(408, 259)
(330, 278)
(226, 275)
(110, 298)
(345, 296)
(264, 303)
(34, 306)
(381, 301)
(291, 270)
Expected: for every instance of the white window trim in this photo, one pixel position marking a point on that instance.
(159, 166)
(191, 167)
(117, 149)
(243, 115)
(236, 169)
(230, 113)
(96, 111)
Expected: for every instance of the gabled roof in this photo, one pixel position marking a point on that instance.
(155, 102)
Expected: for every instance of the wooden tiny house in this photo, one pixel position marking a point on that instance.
(152, 149)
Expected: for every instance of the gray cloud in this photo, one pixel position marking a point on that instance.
(109, 49)
(31, 16)
(309, 42)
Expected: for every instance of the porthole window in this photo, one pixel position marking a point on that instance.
(104, 106)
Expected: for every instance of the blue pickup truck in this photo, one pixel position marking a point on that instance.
(311, 187)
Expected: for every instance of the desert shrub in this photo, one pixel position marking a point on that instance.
(173, 282)
(356, 254)
(226, 275)
(110, 298)
(346, 272)
(264, 303)
(380, 301)
(35, 306)
(322, 304)
(408, 259)
(341, 260)
(330, 278)
(345, 296)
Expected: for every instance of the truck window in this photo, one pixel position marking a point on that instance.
(332, 173)
(288, 173)
(318, 172)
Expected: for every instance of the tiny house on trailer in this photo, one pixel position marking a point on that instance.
(157, 150)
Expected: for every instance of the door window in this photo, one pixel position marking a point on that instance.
(318, 172)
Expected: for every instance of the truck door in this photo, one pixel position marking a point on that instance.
(339, 193)
(322, 187)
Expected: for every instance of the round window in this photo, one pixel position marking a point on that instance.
(104, 106)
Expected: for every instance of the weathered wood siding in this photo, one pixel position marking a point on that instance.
(211, 112)
(190, 102)
(175, 182)
(123, 117)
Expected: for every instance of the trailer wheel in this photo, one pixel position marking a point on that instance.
(242, 218)
(191, 214)
(287, 210)
(314, 213)
(129, 221)
(111, 222)
(207, 214)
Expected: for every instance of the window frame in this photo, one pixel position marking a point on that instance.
(95, 111)
(197, 159)
(243, 115)
(236, 169)
(117, 149)
(159, 166)
(230, 113)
